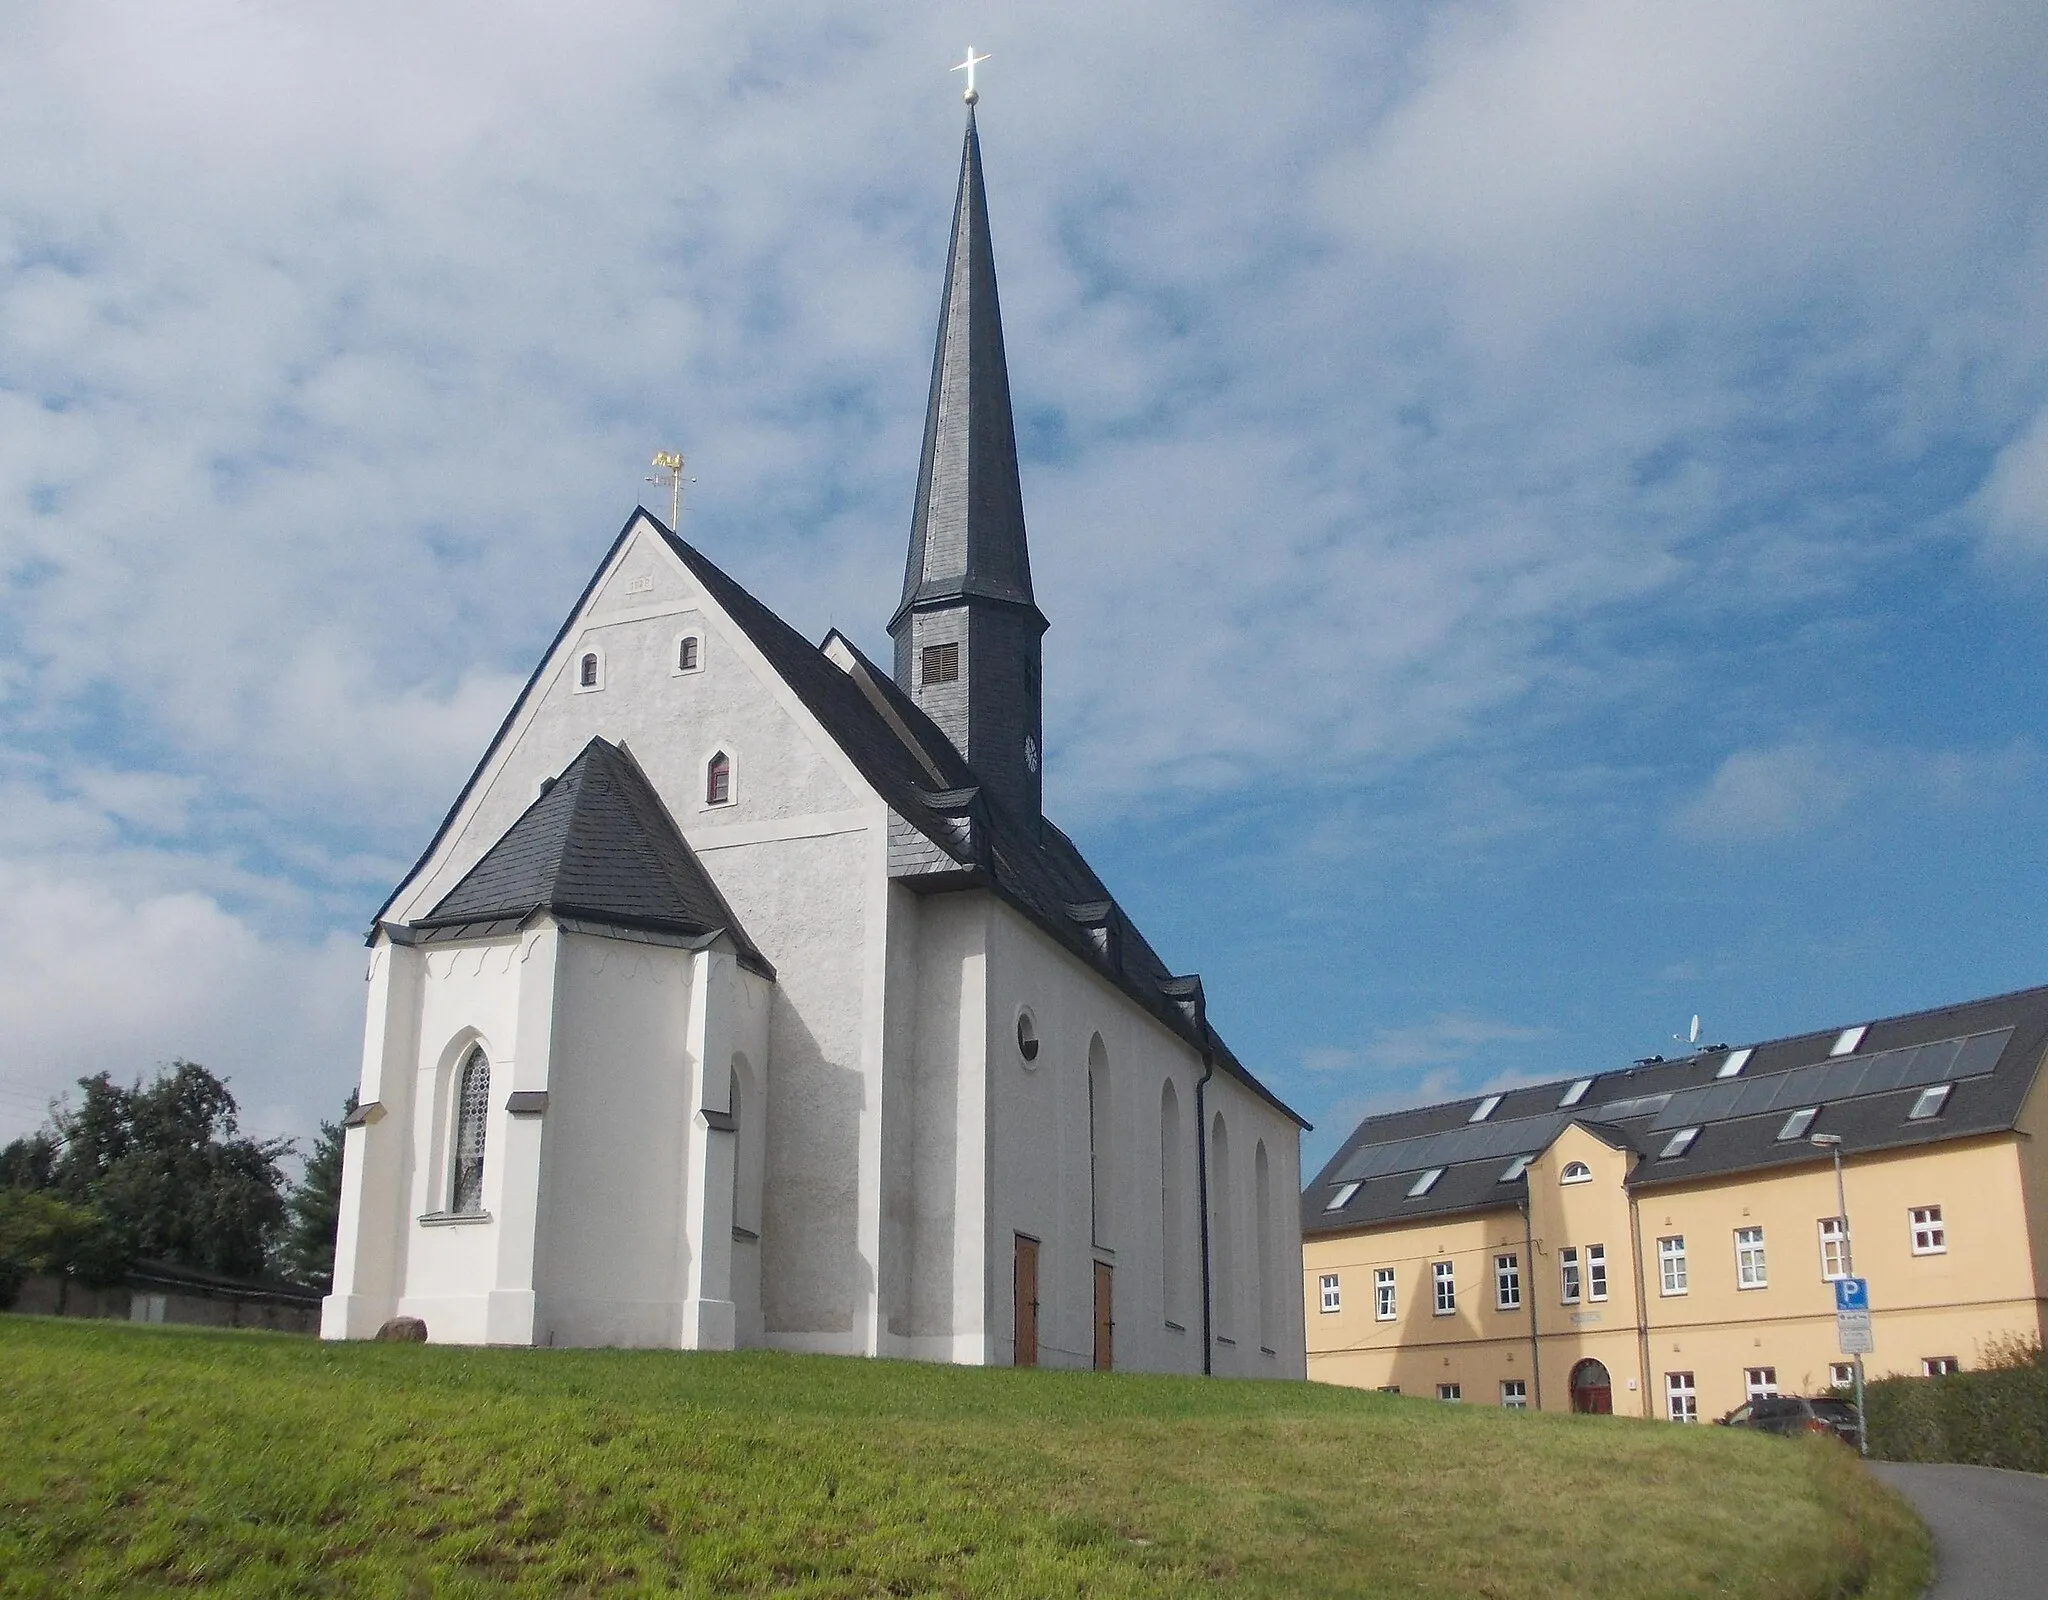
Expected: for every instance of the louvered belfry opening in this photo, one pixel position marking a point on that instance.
(968, 630)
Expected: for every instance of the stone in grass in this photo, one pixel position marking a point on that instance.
(403, 1330)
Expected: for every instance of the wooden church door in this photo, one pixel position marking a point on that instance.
(1104, 1323)
(1024, 1290)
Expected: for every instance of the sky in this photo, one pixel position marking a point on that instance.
(1543, 504)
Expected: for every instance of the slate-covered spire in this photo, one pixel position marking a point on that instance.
(968, 630)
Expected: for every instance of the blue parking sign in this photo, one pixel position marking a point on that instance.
(1852, 1294)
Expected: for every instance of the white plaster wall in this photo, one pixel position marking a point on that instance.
(1039, 1181)
(621, 1092)
(1277, 1346)
(784, 768)
(469, 993)
(935, 1130)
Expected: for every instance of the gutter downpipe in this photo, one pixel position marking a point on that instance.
(1529, 1255)
(1202, 1200)
(1635, 1228)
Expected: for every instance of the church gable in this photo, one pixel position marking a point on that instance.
(651, 659)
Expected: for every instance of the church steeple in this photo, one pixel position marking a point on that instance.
(968, 629)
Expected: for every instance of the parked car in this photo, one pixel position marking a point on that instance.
(1791, 1413)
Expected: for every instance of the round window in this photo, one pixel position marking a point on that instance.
(1027, 1038)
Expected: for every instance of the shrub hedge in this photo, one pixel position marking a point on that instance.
(1994, 1417)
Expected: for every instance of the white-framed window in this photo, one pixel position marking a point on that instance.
(1671, 1264)
(1507, 1282)
(718, 779)
(1750, 1270)
(1422, 1185)
(1514, 1169)
(589, 676)
(1333, 1293)
(1514, 1394)
(1834, 1248)
(1939, 1366)
(1678, 1144)
(1340, 1197)
(1596, 1272)
(1737, 1060)
(1848, 1039)
(1450, 1391)
(1796, 1125)
(1759, 1383)
(1485, 1108)
(472, 1113)
(1568, 1274)
(1446, 1288)
(1681, 1397)
(1928, 1102)
(1841, 1374)
(1575, 1172)
(1930, 1233)
(1575, 1093)
(1383, 1294)
(689, 653)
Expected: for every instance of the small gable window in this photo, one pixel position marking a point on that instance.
(941, 663)
(589, 671)
(689, 653)
(472, 1106)
(1575, 1172)
(718, 780)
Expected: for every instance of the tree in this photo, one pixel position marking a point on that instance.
(315, 1206)
(166, 1166)
(41, 1234)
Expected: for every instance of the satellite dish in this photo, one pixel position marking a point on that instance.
(1694, 1036)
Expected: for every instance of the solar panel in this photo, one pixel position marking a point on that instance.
(1909, 1067)
(1484, 1141)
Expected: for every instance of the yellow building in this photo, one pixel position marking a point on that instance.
(1662, 1241)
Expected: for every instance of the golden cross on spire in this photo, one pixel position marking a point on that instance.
(973, 94)
(671, 464)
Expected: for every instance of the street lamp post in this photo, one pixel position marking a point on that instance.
(1832, 1143)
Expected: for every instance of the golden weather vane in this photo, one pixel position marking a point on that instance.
(973, 94)
(671, 464)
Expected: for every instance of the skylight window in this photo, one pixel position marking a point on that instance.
(1848, 1039)
(1930, 1102)
(1422, 1185)
(1797, 1124)
(1737, 1060)
(1342, 1197)
(1515, 1169)
(1575, 1093)
(1484, 1109)
(1678, 1144)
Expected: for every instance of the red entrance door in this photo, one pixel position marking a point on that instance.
(1592, 1389)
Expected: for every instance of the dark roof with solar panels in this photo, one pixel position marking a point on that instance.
(1957, 1072)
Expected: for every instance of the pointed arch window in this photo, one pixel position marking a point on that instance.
(472, 1108)
(718, 780)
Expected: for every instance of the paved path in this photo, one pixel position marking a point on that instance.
(1990, 1528)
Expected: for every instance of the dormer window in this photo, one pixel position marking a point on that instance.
(589, 671)
(1575, 1172)
(941, 663)
(718, 780)
(1484, 1109)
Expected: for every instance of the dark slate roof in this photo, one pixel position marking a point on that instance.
(964, 838)
(596, 848)
(1987, 1051)
(967, 531)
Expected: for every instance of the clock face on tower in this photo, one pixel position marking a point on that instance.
(1030, 753)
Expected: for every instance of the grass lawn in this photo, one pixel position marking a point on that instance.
(138, 1460)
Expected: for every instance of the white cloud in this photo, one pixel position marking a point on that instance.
(2013, 501)
(1782, 791)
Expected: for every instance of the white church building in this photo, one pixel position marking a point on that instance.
(746, 997)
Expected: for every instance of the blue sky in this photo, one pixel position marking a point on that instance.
(1543, 506)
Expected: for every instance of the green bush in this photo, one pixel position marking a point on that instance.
(1994, 1417)
(41, 1234)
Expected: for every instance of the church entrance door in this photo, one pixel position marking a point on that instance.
(1025, 1292)
(1104, 1323)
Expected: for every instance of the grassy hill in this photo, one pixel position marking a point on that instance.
(138, 1460)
